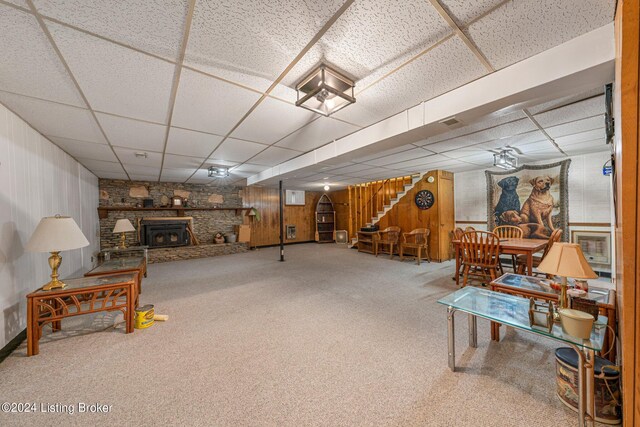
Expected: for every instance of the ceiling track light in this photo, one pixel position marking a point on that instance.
(325, 91)
(218, 172)
(504, 160)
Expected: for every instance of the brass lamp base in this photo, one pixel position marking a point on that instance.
(54, 262)
(562, 299)
(122, 239)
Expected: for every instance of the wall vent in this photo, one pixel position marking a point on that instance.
(450, 121)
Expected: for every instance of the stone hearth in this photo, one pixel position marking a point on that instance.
(158, 255)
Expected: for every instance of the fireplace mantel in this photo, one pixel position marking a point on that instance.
(103, 211)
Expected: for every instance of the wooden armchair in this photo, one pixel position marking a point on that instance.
(509, 232)
(480, 251)
(388, 237)
(417, 239)
(556, 235)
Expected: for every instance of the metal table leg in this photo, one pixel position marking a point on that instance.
(451, 338)
(473, 331)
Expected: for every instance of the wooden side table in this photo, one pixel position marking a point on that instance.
(123, 265)
(366, 241)
(80, 296)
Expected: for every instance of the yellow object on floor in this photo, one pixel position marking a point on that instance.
(144, 316)
(161, 317)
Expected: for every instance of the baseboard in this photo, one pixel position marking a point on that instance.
(12, 345)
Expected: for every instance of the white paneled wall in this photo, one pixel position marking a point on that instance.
(37, 179)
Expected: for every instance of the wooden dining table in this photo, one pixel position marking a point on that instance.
(508, 246)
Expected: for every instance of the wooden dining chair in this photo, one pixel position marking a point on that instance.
(388, 237)
(468, 229)
(521, 260)
(417, 239)
(457, 235)
(480, 251)
(509, 232)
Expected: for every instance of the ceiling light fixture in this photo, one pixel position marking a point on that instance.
(504, 160)
(326, 187)
(218, 172)
(325, 91)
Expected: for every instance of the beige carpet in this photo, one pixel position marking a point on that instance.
(330, 337)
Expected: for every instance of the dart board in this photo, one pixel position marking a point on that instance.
(424, 199)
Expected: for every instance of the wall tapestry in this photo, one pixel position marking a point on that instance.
(534, 198)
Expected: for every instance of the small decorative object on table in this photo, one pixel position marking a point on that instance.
(147, 203)
(177, 201)
(582, 284)
(218, 238)
(541, 314)
(586, 305)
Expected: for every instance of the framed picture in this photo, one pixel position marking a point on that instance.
(294, 197)
(177, 201)
(596, 246)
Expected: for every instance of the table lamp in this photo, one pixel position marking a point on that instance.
(566, 260)
(55, 234)
(123, 226)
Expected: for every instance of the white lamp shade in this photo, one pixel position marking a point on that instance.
(55, 234)
(567, 260)
(123, 226)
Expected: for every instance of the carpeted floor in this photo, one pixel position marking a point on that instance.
(330, 337)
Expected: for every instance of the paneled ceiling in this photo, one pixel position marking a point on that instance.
(161, 90)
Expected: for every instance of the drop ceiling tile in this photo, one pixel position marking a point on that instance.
(592, 135)
(134, 134)
(142, 177)
(273, 120)
(210, 105)
(212, 161)
(477, 158)
(116, 79)
(351, 169)
(576, 127)
(587, 147)
(143, 170)
(87, 150)
(191, 143)
(464, 11)
(372, 33)
(521, 29)
(201, 175)
(53, 119)
(420, 168)
(431, 160)
(29, 64)
(380, 154)
(171, 161)
(128, 158)
(579, 110)
(111, 175)
(447, 66)
(317, 133)
(177, 174)
(393, 159)
(557, 103)
(97, 166)
(235, 150)
(258, 39)
(152, 26)
(21, 3)
(274, 156)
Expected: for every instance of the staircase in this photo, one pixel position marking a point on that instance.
(414, 180)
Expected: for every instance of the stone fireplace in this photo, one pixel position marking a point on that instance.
(163, 233)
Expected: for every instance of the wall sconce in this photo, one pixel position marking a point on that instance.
(325, 91)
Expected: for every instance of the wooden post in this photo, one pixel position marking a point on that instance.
(349, 227)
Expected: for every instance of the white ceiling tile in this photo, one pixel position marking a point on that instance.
(576, 111)
(53, 119)
(521, 29)
(97, 166)
(134, 134)
(111, 175)
(464, 11)
(87, 150)
(422, 162)
(21, 3)
(128, 158)
(257, 38)
(596, 134)
(29, 64)
(316, 134)
(212, 161)
(372, 33)
(142, 177)
(235, 150)
(346, 170)
(116, 79)
(274, 156)
(177, 174)
(411, 154)
(273, 120)
(384, 153)
(576, 127)
(587, 147)
(210, 105)
(172, 161)
(191, 143)
(152, 26)
(557, 103)
(447, 66)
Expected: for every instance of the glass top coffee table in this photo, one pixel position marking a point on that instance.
(514, 311)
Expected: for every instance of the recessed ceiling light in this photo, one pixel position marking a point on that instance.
(218, 172)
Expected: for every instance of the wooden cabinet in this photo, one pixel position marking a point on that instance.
(439, 218)
(325, 220)
(366, 241)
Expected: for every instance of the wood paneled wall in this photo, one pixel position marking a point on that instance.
(627, 158)
(439, 218)
(267, 231)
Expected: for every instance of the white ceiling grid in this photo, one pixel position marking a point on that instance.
(124, 56)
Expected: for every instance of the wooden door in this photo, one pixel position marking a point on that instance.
(446, 214)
